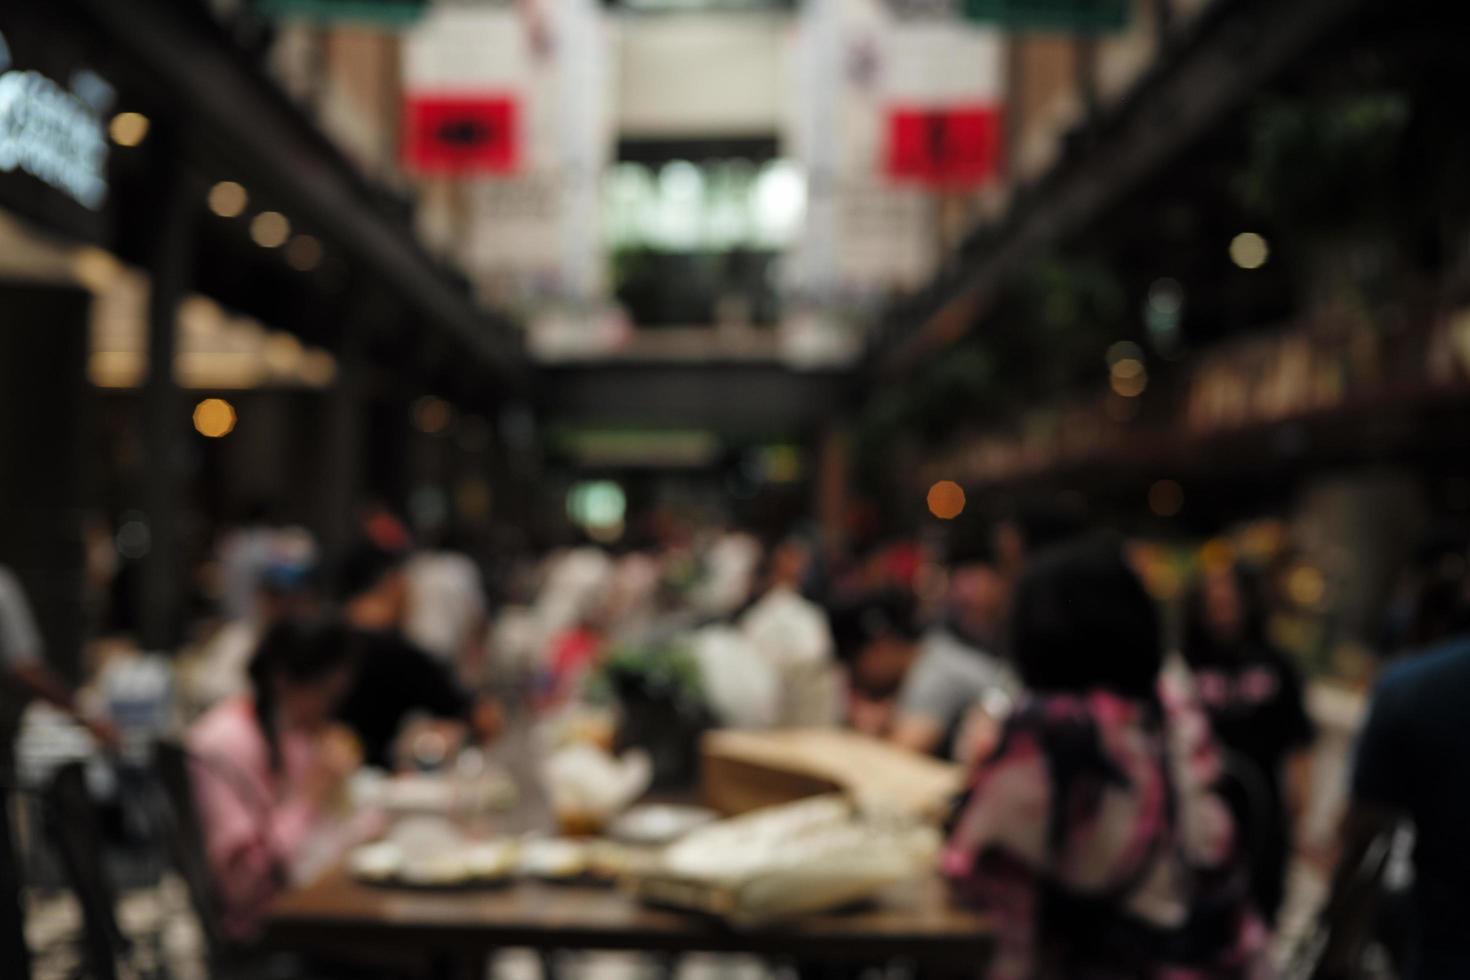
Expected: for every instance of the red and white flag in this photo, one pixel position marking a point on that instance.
(464, 77)
(943, 90)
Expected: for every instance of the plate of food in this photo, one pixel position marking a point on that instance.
(457, 864)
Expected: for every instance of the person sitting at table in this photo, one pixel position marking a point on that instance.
(877, 639)
(1091, 832)
(268, 766)
(396, 682)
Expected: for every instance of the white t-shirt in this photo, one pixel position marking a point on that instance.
(949, 677)
(446, 603)
(795, 637)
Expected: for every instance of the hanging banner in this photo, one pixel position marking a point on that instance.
(1071, 16)
(942, 87)
(465, 72)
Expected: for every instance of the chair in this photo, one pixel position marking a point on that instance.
(15, 959)
(72, 822)
(1247, 792)
(184, 835)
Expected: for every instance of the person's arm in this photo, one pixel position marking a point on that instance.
(1380, 790)
(1351, 907)
(916, 732)
(927, 703)
(996, 854)
(21, 666)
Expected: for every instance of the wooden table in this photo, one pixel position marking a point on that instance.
(914, 922)
(336, 915)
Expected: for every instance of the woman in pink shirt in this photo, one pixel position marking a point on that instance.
(269, 766)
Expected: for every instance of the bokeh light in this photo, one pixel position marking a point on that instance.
(128, 128)
(1249, 250)
(1129, 377)
(228, 199)
(598, 506)
(214, 418)
(946, 500)
(270, 229)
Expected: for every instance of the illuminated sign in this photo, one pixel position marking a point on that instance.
(53, 134)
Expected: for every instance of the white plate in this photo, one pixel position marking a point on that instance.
(658, 823)
(375, 862)
(553, 858)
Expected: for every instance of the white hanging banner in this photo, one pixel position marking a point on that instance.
(465, 75)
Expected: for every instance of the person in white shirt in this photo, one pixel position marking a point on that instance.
(446, 608)
(793, 634)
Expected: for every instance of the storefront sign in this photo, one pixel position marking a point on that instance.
(392, 12)
(52, 133)
(1051, 15)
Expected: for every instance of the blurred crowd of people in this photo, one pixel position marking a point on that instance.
(1132, 792)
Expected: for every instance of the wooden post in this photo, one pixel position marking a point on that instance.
(164, 411)
(44, 408)
(343, 428)
(831, 487)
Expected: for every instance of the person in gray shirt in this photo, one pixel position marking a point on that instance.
(958, 668)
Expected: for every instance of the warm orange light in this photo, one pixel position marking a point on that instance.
(128, 128)
(270, 229)
(228, 199)
(1128, 377)
(214, 418)
(1166, 498)
(946, 500)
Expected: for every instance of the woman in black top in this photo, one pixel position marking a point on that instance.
(1254, 698)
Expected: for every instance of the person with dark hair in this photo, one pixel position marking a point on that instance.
(269, 766)
(1035, 525)
(287, 588)
(877, 641)
(1254, 699)
(395, 680)
(959, 673)
(1091, 832)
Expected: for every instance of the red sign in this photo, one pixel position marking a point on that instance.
(447, 135)
(954, 146)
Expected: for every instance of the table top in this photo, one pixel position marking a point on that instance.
(913, 921)
(336, 913)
